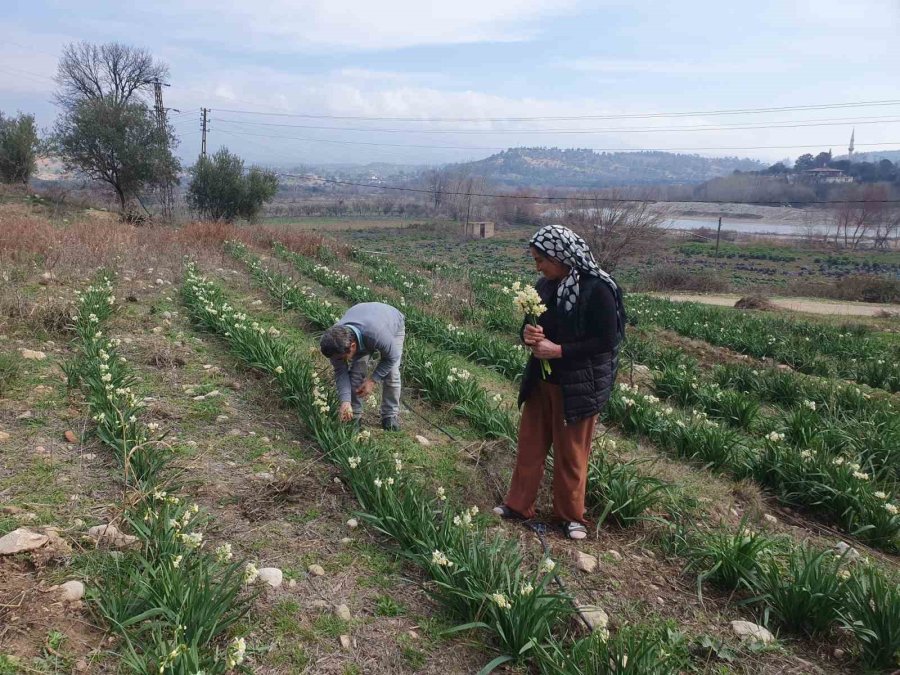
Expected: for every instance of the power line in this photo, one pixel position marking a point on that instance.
(551, 198)
(494, 148)
(694, 113)
(490, 132)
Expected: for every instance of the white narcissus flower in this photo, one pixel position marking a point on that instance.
(353, 462)
(192, 540)
(378, 482)
(442, 494)
(279, 370)
(880, 495)
(250, 573)
(236, 651)
(548, 565)
(441, 560)
(501, 600)
(224, 553)
(176, 561)
(527, 589)
(891, 508)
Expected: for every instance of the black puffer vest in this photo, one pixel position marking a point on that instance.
(586, 382)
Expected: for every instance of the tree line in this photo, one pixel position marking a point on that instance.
(108, 131)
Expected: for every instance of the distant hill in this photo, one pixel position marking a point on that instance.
(552, 167)
(875, 156)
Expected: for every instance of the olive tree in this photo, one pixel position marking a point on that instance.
(18, 148)
(117, 143)
(220, 188)
(107, 129)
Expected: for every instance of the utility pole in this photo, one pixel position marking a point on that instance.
(166, 192)
(203, 129)
(718, 232)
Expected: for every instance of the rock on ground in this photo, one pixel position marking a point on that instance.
(272, 576)
(422, 440)
(342, 612)
(747, 630)
(32, 355)
(21, 540)
(71, 591)
(316, 570)
(595, 616)
(111, 535)
(585, 562)
(844, 549)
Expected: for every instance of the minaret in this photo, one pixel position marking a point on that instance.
(850, 149)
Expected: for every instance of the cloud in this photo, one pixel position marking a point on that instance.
(310, 25)
(673, 67)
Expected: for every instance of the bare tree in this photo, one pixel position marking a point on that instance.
(436, 182)
(864, 216)
(614, 227)
(112, 71)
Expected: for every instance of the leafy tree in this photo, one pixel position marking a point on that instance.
(823, 159)
(777, 169)
(18, 148)
(220, 189)
(106, 129)
(117, 143)
(805, 162)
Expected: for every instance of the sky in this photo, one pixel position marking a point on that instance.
(306, 64)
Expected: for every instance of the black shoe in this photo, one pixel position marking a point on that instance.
(390, 424)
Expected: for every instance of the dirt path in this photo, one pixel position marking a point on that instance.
(831, 307)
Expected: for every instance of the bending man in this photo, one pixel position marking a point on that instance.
(364, 329)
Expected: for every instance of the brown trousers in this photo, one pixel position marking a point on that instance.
(542, 425)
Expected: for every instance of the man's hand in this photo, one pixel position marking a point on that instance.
(366, 388)
(346, 412)
(533, 334)
(544, 349)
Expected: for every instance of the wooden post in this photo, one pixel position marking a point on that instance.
(718, 232)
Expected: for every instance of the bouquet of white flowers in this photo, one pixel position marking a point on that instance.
(530, 304)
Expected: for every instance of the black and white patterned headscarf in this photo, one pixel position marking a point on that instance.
(563, 245)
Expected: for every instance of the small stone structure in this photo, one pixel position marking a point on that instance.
(478, 230)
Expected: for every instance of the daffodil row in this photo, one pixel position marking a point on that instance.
(470, 570)
(845, 422)
(439, 380)
(489, 350)
(835, 487)
(813, 348)
(173, 601)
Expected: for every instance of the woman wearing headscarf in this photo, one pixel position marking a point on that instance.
(579, 335)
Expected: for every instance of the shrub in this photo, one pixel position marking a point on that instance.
(221, 190)
(671, 278)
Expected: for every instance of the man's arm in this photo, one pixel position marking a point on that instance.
(341, 379)
(389, 357)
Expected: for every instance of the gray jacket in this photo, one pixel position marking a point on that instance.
(382, 329)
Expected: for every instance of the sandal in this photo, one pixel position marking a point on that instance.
(575, 530)
(507, 513)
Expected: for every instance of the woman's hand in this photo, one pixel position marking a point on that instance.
(544, 349)
(532, 335)
(346, 412)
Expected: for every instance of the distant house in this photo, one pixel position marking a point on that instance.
(478, 230)
(825, 175)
